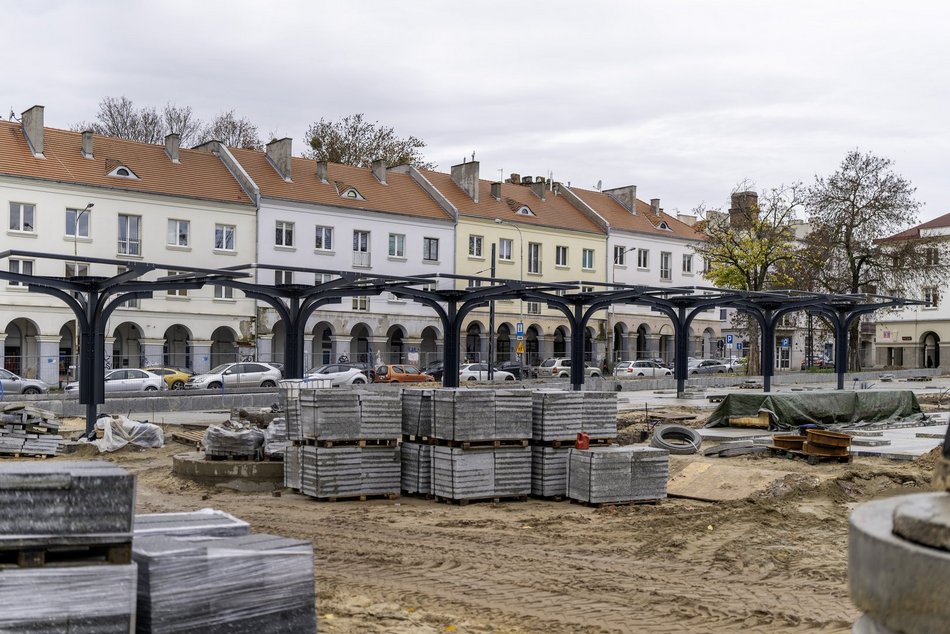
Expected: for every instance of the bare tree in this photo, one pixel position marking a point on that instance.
(118, 117)
(233, 132)
(181, 119)
(354, 141)
(857, 215)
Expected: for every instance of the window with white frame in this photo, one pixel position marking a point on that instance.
(687, 263)
(130, 235)
(324, 238)
(76, 269)
(504, 249)
(223, 292)
(283, 277)
(560, 256)
(533, 308)
(80, 228)
(224, 237)
(475, 246)
(620, 255)
(587, 289)
(284, 234)
(361, 303)
(130, 303)
(587, 259)
(178, 231)
(534, 257)
(430, 249)
(397, 245)
(931, 256)
(24, 267)
(707, 265)
(643, 258)
(666, 265)
(22, 217)
(931, 297)
(177, 292)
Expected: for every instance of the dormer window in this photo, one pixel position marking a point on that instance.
(524, 211)
(664, 226)
(123, 172)
(352, 194)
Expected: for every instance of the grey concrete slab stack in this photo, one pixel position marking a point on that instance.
(232, 442)
(417, 413)
(351, 471)
(416, 468)
(480, 473)
(65, 540)
(464, 415)
(328, 415)
(513, 415)
(549, 471)
(288, 394)
(512, 471)
(293, 461)
(605, 475)
(204, 523)
(600, 415)
(250, 584)
(557, 415)
(380, 468)
(380, 416)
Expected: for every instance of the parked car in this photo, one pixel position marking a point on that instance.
(175, 378)
(435, 370)
(561, 368)
(366, 368)
(127, 380)
(629, 369)
(279, 367)
(520, 370)
(818, 362)
(339, 374)
(707, 366)
(399, 373)
(13, 384)
(235, 375)
(479, 372)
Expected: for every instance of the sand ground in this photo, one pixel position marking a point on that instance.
(774, 562)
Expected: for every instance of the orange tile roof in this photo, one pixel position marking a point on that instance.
(644, 221)
(401, 195)
(555, 211)
(200, 175)
(914, 232)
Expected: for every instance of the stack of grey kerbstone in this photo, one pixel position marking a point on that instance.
(557, 417)
(28, 431)
(80, 512)
(203, 523)
(480, 444)
(418, 410)
(239, 583)
(617, 474)
(345, 443)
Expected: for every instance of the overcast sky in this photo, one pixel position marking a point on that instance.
(681, 99)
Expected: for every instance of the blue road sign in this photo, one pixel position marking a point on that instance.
(729, 339)
(784, 342)
(739, 345)
(519, 329)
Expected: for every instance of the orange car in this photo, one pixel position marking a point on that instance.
(396, 373)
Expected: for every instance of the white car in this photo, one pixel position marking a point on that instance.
(127, 381)
(561, 368)
(338, 374)
(630, 369)
(236, 375)
(479, 372)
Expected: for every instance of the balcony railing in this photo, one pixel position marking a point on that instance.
(361, 258)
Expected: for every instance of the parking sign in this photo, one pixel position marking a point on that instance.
(729, 339)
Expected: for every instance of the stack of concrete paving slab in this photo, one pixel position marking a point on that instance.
(417, 414)
(204, 523)
(293, 465)
(29, 431)
(480, 473)
(416, 468)
(346, 472)
(246, 584)
(233, 441)
(610, 475)
(557, 417)
(65, 547)
(476, 415)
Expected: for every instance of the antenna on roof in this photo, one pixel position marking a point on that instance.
(599, 185)
(473, 156)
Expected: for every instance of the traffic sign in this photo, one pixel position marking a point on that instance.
(738, 345)
(519, 329)
(729, 339)
(785, 342)
(520, 348)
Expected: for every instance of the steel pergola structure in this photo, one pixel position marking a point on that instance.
(93, 299)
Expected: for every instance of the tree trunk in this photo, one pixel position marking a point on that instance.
(854, 346)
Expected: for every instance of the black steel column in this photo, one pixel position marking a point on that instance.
(680, 350)
(768, 324)
(450, 360)
(577, 348)
(491, 325)
(841, 350)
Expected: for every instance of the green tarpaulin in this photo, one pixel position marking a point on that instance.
(828, 409)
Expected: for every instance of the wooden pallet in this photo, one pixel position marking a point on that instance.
(368, 442)
(481, 444)
(357, 498)
(27, 454)
(811, 459)
(558, 444)
(919, 379)
(600, 505)
(491, 499)
(187, 437)
(40, 556)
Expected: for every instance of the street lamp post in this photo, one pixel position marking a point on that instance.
(79, 215)
(610, 309)
(500, 221)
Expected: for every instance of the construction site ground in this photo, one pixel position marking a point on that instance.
(773, 561)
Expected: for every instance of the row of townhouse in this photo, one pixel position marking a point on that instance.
(80, 194)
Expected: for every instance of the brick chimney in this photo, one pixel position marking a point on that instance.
(539, 187)
(465, 175)
(379, 170)
(655, 206)
(515, 178)
(172, 147)
(87, 144)
(496, 191)
(745, 207)
(279, 153)
(626, 196)
(33, 129)
(322, 171)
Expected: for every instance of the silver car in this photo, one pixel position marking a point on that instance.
(630, 369)
(707, 366)
(250, 374)
(13, 384)
(127, 381)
